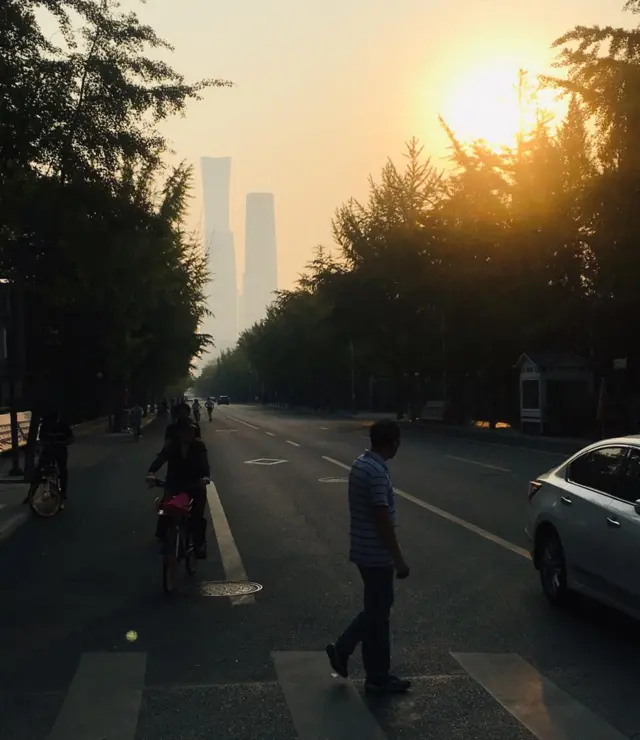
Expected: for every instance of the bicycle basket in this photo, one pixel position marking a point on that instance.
(177, 505)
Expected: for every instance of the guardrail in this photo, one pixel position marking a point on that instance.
(5, 434)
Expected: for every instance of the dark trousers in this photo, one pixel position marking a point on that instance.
(371, 626)
(198, 521)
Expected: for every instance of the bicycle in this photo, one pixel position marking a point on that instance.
(178, 539)
(45, 495)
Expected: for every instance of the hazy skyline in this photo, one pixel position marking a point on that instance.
(325, 92)
(220, 244)
(260, 279)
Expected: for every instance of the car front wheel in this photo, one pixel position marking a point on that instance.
(553, 568)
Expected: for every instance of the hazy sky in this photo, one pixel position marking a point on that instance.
(326, 90)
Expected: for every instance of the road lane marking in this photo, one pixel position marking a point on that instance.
(450, 517)
(240, 421)
(104, 698)
(547, 711)
(295, 444)
(231, 560)
(322, 706)
(325, 429)
(476, 462)
(270, 434)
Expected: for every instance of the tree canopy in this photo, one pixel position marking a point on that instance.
(440, 280)
(92, 225)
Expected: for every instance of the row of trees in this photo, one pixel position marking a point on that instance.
(440, 281)
(92, 234)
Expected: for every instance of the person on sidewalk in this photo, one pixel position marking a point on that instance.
(375, 551)
(135, 418)
(187, 472)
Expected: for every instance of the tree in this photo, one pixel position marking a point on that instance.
(92, 224)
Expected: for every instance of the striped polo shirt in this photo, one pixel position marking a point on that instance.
(369, 486)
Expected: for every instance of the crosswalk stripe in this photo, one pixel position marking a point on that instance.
(104, 698)
(543, 708)
(322, 706)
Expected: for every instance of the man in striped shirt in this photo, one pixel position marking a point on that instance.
(374, 549)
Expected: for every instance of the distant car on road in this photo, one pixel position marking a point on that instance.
(584, 525)
(223, 400)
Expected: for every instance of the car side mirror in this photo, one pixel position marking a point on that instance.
(636, 507)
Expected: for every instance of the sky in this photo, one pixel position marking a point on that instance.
(325, 91)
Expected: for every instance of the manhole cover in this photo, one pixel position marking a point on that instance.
(223, 588)
(333, 480)
(264, 461)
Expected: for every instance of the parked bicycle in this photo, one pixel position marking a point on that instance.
(177, 543)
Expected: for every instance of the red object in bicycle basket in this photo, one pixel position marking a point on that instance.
(178, 504)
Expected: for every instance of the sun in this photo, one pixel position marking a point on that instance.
(494, 103)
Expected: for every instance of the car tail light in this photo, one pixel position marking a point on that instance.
(534, 487)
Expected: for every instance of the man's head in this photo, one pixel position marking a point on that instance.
(183, 410)
(186, 431)
(385, 438)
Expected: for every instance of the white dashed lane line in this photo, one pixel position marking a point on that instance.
(246, 423)
(270, 434)
(450, 517)
(295, 444)
(476, 462)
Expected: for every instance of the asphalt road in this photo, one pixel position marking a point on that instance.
(90, 649)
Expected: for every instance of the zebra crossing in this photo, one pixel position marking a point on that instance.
(109, 700)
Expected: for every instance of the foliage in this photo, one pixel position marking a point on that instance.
(92, 227)
(440, 281)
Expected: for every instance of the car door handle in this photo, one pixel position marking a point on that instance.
(612, 522)
(566, 501)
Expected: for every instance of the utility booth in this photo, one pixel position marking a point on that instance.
(556, 393)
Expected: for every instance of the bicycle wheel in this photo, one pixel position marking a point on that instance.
(45, 498)
(170, 560)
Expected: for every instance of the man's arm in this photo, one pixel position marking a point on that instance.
(160, 460)
(384, 525)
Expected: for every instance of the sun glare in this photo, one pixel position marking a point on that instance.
(487, 105)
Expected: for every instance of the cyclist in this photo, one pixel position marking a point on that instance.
(55, 435)
(182, 411)
(196, 410)
(209, 406)
(187, 472)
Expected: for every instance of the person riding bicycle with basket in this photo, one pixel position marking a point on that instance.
(188, 472)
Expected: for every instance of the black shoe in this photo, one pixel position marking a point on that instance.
(389, 685)
(338, 663)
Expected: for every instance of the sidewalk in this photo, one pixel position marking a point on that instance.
(505, 436)
(85, 453)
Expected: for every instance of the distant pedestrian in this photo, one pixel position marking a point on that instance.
(375, 551)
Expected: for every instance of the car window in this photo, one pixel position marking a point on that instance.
(630, 487)
(599, 469)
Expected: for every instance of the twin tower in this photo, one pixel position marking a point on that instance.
(232, 313)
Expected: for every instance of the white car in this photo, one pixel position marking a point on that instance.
(584, 525)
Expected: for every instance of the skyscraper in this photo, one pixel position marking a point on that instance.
(223, 289)
(260, 258)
